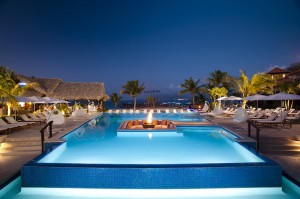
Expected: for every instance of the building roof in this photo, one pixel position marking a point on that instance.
(54, 87)
(277, 70)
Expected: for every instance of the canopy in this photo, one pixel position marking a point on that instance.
(54, 100)
(221, 98)
(282, 96)
(254, 97)
(232, 98)
(23, 99)
(37, 100)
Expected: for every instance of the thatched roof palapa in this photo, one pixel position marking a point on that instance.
(54, 87)
(79, 90)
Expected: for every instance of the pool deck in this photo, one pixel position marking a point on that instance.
(279, 144)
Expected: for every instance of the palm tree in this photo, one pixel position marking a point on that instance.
(10, 87)
(151, 100)
(260, 83)
(115, 98)
(218, 79)
(190, 86)
(133, 89)
(200, 98)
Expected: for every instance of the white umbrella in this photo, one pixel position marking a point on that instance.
(255, 97)
(232, 98)
(23, 99)
(282, 96)
(55, 101)
(221, 98)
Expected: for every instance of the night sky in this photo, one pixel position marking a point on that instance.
(160, 43)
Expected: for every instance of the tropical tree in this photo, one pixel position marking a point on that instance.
(151, 100)
(133, 89)
(219, 79)
(217, 92)
(259, 83)
(115, 98)
(10, 87)
(190, 86)
(200, 98)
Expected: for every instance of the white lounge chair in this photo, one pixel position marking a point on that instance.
(137, 111)
(13, 121)
(167, 111)
(279, 120)
(27, 119)
(145, 111)
(158, 111)
(174, 111)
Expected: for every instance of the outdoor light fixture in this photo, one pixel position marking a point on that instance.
(22, 104)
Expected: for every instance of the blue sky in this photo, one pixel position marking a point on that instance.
(160, 43)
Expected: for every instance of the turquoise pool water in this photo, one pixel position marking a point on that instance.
(100, 142)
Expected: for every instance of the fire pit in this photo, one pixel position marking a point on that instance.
(149, 123)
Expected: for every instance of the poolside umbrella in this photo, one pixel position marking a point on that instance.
(255, 97)
(37, 100)
(232, 98)
(221, 98)
(55, 101)
(282, 96)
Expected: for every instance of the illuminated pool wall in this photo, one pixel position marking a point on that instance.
(266, 174)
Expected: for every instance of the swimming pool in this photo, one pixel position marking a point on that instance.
(190, 157)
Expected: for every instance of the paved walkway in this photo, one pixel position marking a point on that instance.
(10, 165)
(285, 139)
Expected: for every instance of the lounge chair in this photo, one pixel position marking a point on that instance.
(39, 114)
(124, 111)
(174, 111)
(167, 111)
(270, 118)
(32, 115)
(228, 110)
(158, 111)
(137, 111)
(260, 115)
(10, 125)
(279, 120)
(13, 121)
(109, 111)
(117, 111)
(231, 113)
(145, 111)
(27, 119)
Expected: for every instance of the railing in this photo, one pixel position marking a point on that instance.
(49, 124)
(250, 123)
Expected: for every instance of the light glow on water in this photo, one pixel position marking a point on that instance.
(257, 193)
